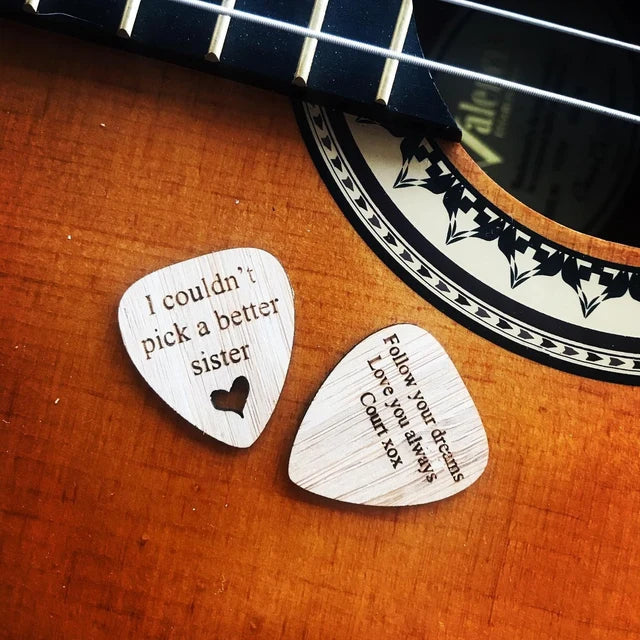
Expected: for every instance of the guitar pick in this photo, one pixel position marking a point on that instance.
(392, 425)
(212, 336)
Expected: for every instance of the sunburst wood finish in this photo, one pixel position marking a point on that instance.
(120, 520)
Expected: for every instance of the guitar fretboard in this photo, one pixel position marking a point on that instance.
(324, 72)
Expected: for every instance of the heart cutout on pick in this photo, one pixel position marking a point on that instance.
(232, 400)
(213, 336)
(392, 425)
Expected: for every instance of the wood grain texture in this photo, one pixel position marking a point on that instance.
(118, 520)
(392, 425)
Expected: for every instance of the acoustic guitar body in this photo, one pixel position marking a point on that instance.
(119, 519)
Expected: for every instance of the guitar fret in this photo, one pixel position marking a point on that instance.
(397, 43)
(129, 16)
(31, 6)
(219, 34)
(269, 46)
(308, 52)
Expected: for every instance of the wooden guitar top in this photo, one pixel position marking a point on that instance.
(119, 519)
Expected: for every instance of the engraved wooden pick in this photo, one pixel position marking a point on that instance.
(392, 425)
(213, 337)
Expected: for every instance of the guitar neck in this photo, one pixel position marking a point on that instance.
(263, 55)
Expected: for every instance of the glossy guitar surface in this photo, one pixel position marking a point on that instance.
(118, 519)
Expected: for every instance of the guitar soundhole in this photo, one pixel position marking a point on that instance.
(578, 168)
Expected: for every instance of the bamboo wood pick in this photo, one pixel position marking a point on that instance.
(213, 336)
(392, 425)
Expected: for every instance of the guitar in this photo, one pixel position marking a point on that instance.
(118, 518)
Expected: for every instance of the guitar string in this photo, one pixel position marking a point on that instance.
(60, 14)
(424, 63)
(553, 26)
